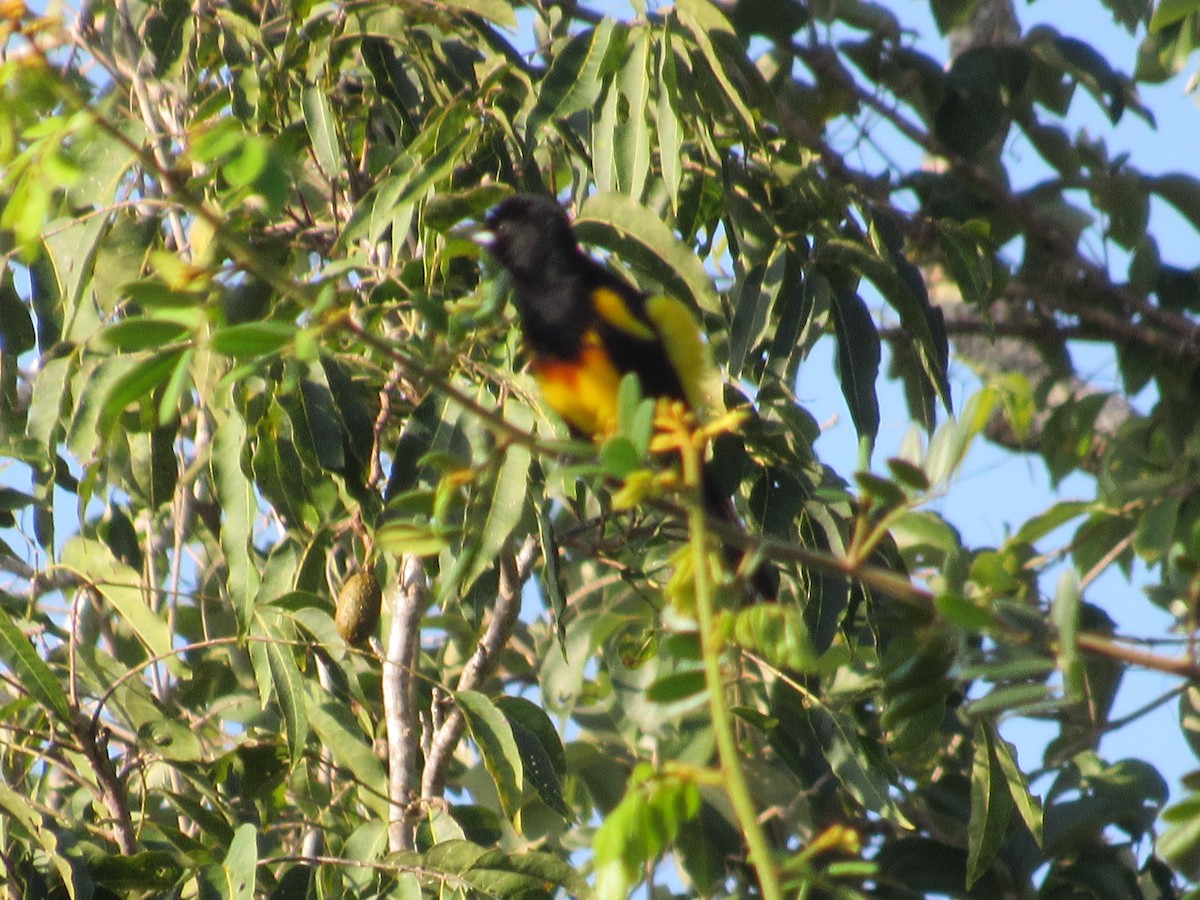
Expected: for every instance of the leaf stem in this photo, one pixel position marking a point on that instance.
(712, 647)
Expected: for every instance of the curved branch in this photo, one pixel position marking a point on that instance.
(514, 570)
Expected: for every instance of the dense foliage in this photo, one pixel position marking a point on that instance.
(250, 370)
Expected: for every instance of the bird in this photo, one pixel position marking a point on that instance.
(584, 328)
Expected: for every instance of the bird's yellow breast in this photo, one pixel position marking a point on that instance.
(582, 390)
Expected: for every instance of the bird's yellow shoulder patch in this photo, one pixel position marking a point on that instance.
(612, 308)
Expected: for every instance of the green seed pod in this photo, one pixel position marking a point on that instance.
(358, 605)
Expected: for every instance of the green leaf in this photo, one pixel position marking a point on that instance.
(604, 142)
(708, 27)
(51, 390)
(142, 333)
(1182, 192)
(239, 506)
(950, 442)
(905, 291)
(991, 806)
(1155, 530)
(494, 737)
(72, 872)
(256, 164)
(137, 385)
(860, 774)
(1055, 517)
(1011, 698)
(912, 477)
(858, 358)
(575, 77)
(500, 504)
(71, 246)
(253, 339)
(16, 327)
(633, 132)
(498, 11)
(642, 238)
(1027, 805)
(670, 135)
(1066, 619)
(534, 718)
(94, 383)
(122, 586)
(334, 723)
(951, 14)
(1168, 12)
(240, 867)
(677, 686)
(289, 691)
(321, 124)
(755, 295)
(413, 537)
(1179, 842)
(430, 158)
(30, 671)
(324, 424)
(537, 768)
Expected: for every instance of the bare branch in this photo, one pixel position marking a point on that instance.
(514, 570)
(399, 700)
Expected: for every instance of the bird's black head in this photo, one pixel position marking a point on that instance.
(530, 236)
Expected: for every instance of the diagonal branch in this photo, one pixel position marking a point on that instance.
(514, 571)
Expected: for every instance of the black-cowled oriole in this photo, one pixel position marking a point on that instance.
(585, 328)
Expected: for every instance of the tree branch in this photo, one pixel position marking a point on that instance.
(514, 570)
(399, 694)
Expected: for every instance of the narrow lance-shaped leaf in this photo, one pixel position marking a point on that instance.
(604, 143)
(121, 586)
(1066, 618)
(238, 507)
(991, 806)
(493, 735)
(337, 729)
(670, 135)
(575, 76)
(633, 134)
(847, 757)
(241, 864)
(289, 692)
(30, 671)
(754, 305)
(703, 20)
(1018, 786)
(642, 237)
(858, 357)
(501, 505)
(322, 130)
